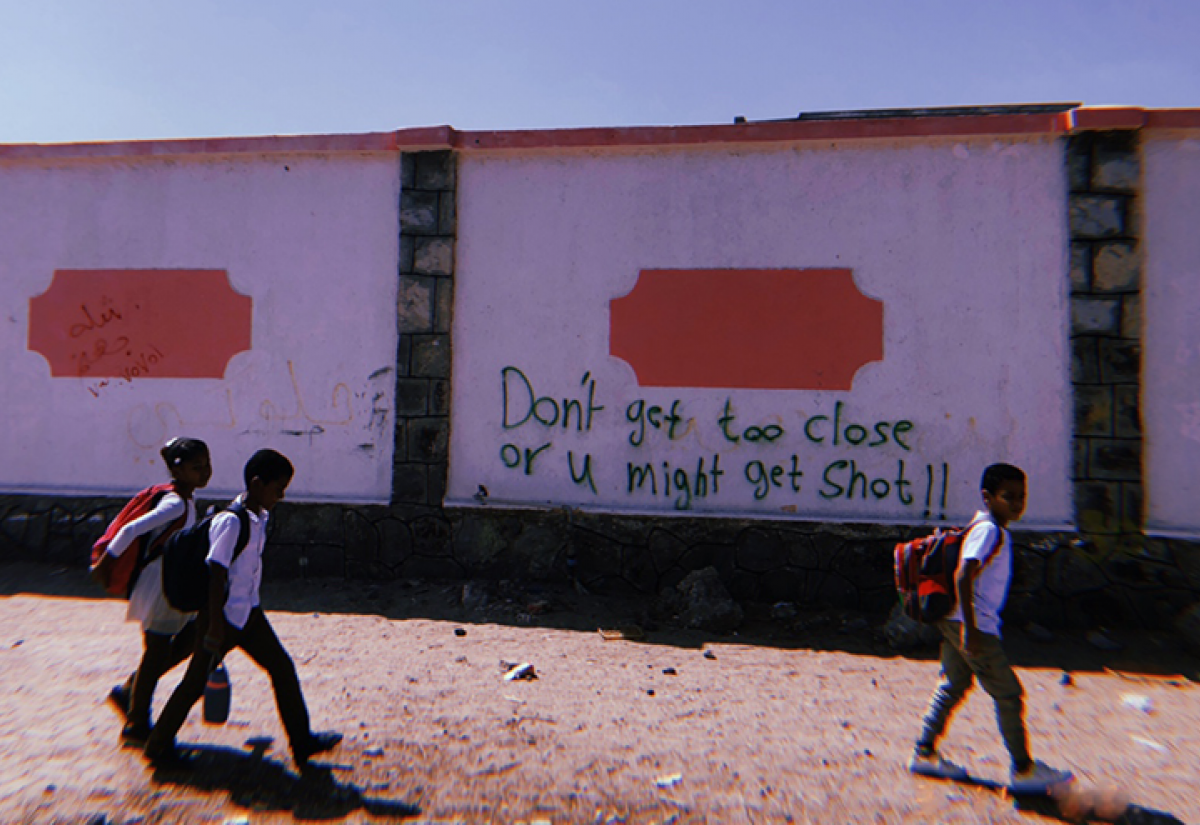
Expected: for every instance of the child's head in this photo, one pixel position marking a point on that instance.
(188, 461)
(1004, 492)
(267, 476)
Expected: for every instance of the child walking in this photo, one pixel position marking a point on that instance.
(234, 618)
(971, 640)
(168, 636)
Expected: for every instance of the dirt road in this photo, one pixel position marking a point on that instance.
(770, 726)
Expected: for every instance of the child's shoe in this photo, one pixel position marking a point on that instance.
(134, 736)
(314, 744)
(934, 765)
(119, 698)
(1038, 778)
(169, 759)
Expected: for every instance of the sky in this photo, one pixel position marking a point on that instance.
(100, 70)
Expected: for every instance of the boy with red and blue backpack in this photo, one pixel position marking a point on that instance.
(971, 645)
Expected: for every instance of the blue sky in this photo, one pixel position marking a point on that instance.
(84, 70)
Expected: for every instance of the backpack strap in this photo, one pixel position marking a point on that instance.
(243, 517)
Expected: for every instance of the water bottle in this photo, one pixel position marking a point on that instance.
(217, 696)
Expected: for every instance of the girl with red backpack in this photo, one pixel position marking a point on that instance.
(168, 635)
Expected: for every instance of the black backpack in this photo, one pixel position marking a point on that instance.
(185, 560)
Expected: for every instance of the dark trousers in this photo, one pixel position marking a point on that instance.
(959, 671)
(260, 643)
(160, 654)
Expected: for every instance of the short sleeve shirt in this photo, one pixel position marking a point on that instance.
(991, 585)
(245, 572)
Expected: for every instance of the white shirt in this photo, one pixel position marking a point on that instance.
(245, 572)
(170, 507)
(991, 585)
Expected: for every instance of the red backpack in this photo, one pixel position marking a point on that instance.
(925, 571)
(119, 574)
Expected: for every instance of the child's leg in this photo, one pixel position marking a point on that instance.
(956, 681)
(186, 694)
(261, 644)
(998, 679)
(156, 660)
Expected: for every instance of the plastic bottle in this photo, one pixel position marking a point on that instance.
(217, 696)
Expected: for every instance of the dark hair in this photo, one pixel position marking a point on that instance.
(178, 450)
(269, 466)
(997, 474)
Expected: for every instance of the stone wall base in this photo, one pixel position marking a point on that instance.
(1061, 581)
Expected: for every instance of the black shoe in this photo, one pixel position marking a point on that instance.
(134, 736)
(119, 697)
(169, 759)
(316, 743)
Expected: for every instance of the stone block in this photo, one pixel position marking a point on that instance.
(439, 398)
(1079, 454)
(1115, 169)
(1097, 507)
(447, 213)
(1093, 410)
(1095, 315)
(428, 439)
(436, 492)
(1131, 316)
(478, 543)
(1081, 267)
(1187, 625)
(432, 536)
(1120, 361)
(412, 397)
(431, 356)
(444, 314)
(759, 551)
(1127, 411)
(1117, 267)
(399, 442)
(1085, 360)
(418, 213)
(409, 483)
(405, 264)
(434, 256)
(1132, 507)
(403, 353)
(1071, 573)
(1079, 163)
(408, 170)
(306, 524)
(362, 538)
(1115, 460)
(415, 303)
(395, 543)
(431, 569)
(665, 549)
(1096, 216)
(435, 171)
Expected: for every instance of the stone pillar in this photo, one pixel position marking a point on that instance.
(428, 183)
(1104, 172)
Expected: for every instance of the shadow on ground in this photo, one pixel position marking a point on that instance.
(1078, 805)
(257, 783)
(524, 604)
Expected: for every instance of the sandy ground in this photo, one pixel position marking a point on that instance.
(810, 723)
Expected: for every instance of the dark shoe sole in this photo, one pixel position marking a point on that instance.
(118, 697)
(317, 743)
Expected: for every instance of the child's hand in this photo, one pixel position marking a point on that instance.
(970, 640)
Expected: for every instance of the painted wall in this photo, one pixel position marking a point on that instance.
(310, 240)
(962, 244)
(1172, 317)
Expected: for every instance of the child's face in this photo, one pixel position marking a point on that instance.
(195, 471)
(266, 494)
(1008, 503)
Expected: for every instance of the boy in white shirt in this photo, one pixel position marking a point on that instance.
(971, 640)
(234, 618)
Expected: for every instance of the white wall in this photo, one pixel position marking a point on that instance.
(963, 242)
(1171, 368)
(312, 240)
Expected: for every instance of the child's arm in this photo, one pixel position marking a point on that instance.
(964, 586)
(166, 511)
